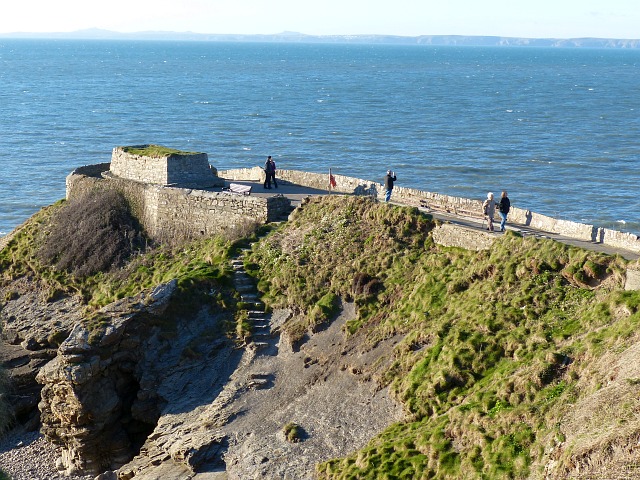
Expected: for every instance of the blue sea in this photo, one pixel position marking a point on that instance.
(559, 129)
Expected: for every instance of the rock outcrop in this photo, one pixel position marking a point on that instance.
(91, 390)
(132, 393)
(32, 329)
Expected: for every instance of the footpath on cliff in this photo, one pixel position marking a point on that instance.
(296, 193)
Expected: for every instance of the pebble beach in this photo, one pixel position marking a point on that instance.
(28, 456)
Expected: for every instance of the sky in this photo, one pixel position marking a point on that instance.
(506, 18)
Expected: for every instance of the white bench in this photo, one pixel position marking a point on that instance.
(239, 189)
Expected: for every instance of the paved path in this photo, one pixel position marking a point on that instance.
(296, 193)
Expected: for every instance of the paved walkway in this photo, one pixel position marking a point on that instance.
(296, 193)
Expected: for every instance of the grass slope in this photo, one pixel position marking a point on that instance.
(495, 344)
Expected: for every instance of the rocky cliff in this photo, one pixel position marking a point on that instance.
(130, 392)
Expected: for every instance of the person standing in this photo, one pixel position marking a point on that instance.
(489, 210)
(388, 184)
(273, 171)
(269, 172)
(504, 205)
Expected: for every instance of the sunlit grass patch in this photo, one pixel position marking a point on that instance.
(493, 339)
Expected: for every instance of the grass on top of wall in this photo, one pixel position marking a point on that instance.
(494, 343)
(155, 151)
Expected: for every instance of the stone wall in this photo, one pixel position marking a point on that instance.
(189, 170)
(633, 276)
(168, 212)
(446, 204)
(449, 235)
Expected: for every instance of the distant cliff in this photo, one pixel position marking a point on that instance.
(295, 37)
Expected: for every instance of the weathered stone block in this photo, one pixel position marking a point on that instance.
(185, 170)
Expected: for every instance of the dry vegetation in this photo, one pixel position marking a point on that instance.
(93, 233)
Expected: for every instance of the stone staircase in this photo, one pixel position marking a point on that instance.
(261, 338)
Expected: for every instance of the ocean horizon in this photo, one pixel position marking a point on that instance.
(559, 129)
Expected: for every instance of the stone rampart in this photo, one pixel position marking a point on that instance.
(632, 281)
(184, 170)
(160, 209)
(450, 235)
(446, 204)
(168, 212)
(627, 241)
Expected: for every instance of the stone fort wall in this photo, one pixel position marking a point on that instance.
(446, 204)
(188, 170)
(169, 212)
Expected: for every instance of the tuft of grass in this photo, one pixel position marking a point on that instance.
(292, 432)
(154, 151)
(243, 326)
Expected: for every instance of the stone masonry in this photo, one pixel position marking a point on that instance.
(184, 170)
(170, 212)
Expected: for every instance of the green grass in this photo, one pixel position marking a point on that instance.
(292, 432)
(154, 151)
(493, 341)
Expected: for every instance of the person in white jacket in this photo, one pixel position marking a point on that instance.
(489, 210)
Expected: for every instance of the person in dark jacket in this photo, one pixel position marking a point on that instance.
(270, 172)
(504, 205)
(388, 184)
(272, 162)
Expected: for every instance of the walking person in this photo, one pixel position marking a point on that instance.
(504, 205)
(269, 172)
(388, 184)
(489, 210)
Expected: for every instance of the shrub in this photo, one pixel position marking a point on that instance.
(292, 432)
(92, 233)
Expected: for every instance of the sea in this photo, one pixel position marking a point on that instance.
(558, 128)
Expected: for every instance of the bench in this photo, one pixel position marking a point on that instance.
(238, 188)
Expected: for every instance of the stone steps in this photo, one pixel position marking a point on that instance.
(261, 336)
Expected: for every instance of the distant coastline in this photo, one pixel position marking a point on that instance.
(295, 37)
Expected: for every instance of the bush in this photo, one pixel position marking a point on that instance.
(91, 234)
(293, 432)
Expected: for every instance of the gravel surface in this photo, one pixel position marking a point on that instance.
(27, 456)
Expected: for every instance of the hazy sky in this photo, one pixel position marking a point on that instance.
(513, 18)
